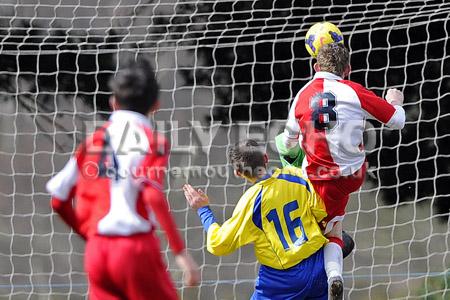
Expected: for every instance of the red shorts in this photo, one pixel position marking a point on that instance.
(128, 267)
(335, 194)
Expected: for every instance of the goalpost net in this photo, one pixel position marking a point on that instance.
(227, 70)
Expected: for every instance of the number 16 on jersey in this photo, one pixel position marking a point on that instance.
(291, 225)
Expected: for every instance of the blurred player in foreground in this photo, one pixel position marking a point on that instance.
(328, 117)
(116, 179)
(279, 214)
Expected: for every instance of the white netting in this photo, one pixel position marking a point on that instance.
(227, 69)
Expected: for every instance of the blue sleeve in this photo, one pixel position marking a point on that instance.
(207, 217)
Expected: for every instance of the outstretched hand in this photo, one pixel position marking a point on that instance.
(195, 198)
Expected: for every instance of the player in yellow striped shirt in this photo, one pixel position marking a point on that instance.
(279, 215)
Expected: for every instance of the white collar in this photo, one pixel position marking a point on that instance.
(128, 115)
(327, 75)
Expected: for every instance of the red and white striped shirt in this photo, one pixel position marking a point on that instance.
(116, 177)
(328, 116)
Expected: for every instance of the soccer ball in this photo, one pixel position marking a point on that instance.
(321, 34)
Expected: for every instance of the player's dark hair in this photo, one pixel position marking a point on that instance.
(247, 158)
(135, 87)
(333, 58)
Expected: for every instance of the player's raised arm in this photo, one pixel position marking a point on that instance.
(389, 111)
(235, 232)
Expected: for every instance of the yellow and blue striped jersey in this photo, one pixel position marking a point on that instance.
(278, 214)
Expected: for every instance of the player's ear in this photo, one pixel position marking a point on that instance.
(155, 106)
(237, 173)
(347, 71)
(113, 103)
(266, 158)
(316, 67)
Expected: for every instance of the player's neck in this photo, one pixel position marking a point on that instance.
(261, 175)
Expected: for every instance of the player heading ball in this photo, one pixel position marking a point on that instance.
(326, 124)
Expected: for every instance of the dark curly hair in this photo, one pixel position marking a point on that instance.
(247, 158)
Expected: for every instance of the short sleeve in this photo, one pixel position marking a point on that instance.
(61, 185)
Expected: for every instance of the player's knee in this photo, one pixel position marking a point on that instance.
(346, 242)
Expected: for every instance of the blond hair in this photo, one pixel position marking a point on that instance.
(333, 58)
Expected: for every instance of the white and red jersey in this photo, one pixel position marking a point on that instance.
(328, 116)
(116, 177)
